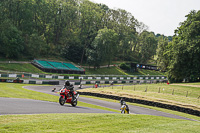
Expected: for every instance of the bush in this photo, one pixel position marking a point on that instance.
(124, 66)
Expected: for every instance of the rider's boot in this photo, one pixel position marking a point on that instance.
(74, 99)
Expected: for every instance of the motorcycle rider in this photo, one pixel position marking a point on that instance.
(70, 87)
(124, 105)
(122, 101)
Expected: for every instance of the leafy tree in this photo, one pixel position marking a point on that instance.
(161, 53)
(103, 47)
(170, 38)
(73, 29)
(90, 23)
(36, 46)
(124, 66)
(11, 42)
(184, 58)
(72, 49)
(148, 45)
(124, 25)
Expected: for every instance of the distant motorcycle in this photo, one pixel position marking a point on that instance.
(66, 97)
(124, 107)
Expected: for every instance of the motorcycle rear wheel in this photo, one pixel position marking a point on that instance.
(61, 100)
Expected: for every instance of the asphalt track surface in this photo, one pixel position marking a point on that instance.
(28, 106)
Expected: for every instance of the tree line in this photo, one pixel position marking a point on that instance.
(85, 32)
(181, 57)
(78, 30)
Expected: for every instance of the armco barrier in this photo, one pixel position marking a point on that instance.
(146, 102)
(92, 77)
(121, 82)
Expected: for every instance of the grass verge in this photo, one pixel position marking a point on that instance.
(156, 92)
(104, 71)
(91, 123)
(17, 91)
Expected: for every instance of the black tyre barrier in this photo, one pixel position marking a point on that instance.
(29, 81)
(53, 82)
(11, 81)
(145, 102)
(46, 82)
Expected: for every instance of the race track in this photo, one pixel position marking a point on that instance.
(28, 106)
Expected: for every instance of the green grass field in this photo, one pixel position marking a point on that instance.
(84, 122)
(93, 123)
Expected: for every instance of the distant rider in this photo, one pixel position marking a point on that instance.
(70, 87)
(124, 105)
(122, 101)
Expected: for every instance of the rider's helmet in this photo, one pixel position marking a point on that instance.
(124, 103)
(67, 83)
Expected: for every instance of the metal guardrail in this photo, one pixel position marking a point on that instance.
(84, 77)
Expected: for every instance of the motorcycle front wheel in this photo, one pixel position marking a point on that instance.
(74, 103)
(61, 100)
(122, 112)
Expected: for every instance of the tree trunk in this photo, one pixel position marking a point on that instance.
(83, 53)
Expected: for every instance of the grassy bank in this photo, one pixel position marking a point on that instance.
(91, 123)
(118, 71)
(29, 68)
(105, 71)
(20, 67)
(169, 94)
(149, 72)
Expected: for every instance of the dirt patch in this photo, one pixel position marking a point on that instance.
(186, 85)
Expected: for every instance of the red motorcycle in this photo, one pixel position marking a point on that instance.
(66, 97)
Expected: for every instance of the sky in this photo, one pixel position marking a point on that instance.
(161, 16)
